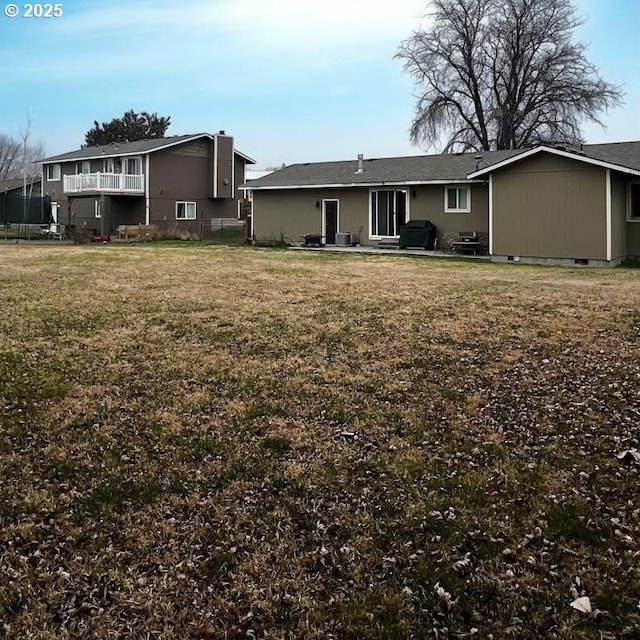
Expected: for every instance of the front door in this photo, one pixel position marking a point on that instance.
(330, 220)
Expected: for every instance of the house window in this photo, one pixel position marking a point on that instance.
(388, 213)
(112, 165)
(634, 202)
(133, 166)
(185, 210)
(53, 172)
(98, 209)
(83, 167)
(457, 200)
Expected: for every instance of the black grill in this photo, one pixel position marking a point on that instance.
(418, 233)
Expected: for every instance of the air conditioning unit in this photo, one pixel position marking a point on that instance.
(343, 239)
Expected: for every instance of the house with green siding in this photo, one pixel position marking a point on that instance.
(547, 204)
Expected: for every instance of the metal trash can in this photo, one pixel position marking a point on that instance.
(417, 233)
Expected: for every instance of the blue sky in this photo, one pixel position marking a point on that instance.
(291, 80)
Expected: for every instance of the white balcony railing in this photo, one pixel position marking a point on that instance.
(98, 182)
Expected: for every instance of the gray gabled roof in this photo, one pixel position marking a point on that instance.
(15, 183)
(617, 156)
(439, 168)
(623, 154)
(139, 147)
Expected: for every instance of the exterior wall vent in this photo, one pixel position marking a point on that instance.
(581, 261)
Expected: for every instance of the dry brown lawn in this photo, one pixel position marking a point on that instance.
(204, 442)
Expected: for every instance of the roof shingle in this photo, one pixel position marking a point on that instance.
(124, 148)
(424, 169)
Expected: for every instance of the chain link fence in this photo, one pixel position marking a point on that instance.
(227, 231)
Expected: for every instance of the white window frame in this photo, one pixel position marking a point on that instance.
(185, 203)
(98, 209)
(407, 215)
(56, 173)
(631, 218)
(457, 209)
(109, 165)
(138, 161)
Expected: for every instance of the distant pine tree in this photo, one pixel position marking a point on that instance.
(131, 127)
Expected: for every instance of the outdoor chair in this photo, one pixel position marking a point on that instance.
(445, 243)
(55, 231)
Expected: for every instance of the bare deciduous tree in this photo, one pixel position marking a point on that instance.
(10, 157)
(18, 157)
(502, 74)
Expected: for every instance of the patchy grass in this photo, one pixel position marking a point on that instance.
(207, 442)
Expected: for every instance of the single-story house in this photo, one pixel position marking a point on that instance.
(545, 204)
(29, 187)
(21, 202)
(180, 182)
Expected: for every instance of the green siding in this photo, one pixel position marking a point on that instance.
(292, 213)
(428, 204)
(550, 207)
(618, 216)
(633, 239)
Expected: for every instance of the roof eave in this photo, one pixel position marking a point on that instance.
(115, 154)
(245, 157)
(349, 185)
(60, 157)
(559, 152)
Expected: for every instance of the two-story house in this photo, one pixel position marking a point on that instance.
(178, 182)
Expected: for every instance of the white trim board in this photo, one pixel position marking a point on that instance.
(558, 152)
(490, 215)
(608, 214)
(368, 185)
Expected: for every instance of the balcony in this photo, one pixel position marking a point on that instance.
(124, 183)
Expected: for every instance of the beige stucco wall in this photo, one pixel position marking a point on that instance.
(550, 206)
(292, 213)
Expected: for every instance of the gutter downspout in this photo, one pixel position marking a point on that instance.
(215, 166)
(147, 213)
(609, 221)
(490, 214)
